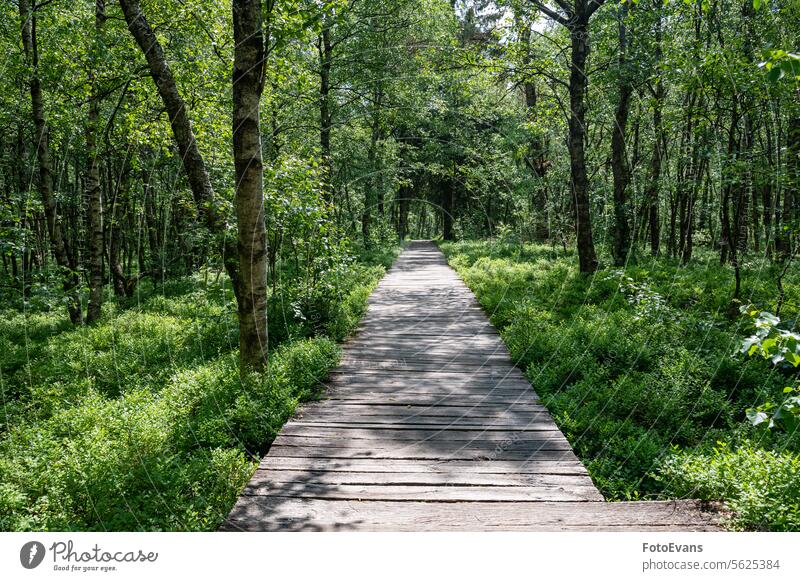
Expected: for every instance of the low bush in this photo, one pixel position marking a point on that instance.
(761, 486)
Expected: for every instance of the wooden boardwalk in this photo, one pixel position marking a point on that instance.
(427, 425)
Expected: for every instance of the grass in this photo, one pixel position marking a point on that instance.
(639, 369)
(143, 422)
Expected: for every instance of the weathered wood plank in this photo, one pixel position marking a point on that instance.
(264, 513)
(519, 409)
(440, 423)
(399, 434)
(437, 466)
(439, 441)
(447, 493)
(423, 398)
(394, 478)
(547, 451)
(531, 426)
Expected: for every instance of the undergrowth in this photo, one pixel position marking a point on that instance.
(640, 370)
(142, 422)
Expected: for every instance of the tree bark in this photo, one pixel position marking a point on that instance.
(448, 187)
(404, 203)
(578, 82)
(791, 192)
(619, 159)
(575, 18)
(325, 49)
(248, 85)
(372, 196)
(654, 174)
(58, 242)
(94, 218)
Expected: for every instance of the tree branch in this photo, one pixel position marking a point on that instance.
(592, 8)
(552, 14)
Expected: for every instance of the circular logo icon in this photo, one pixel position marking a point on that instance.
(31, 554)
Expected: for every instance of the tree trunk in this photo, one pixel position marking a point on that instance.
(58, 242)
(404, 203)
(577, 136)
(619, 159)
(94, 218)
(654, 174)
(248, 85)
(325, 49)
(448, 187)
(791, 191)
(371, 195)
(190, 155)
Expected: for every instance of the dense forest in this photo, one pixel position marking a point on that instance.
(197, 198)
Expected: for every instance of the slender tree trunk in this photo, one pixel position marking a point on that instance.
(58, 242)
(404, 203)
(577, 137)
(192, 160)
(448, 205)
(730, 231)
(765, 181)
(248, 85)
(94, 219)
(115, 249)
(654, 174)
(619, 158)
(325, 49)
(792, 188)
(155, 263)
(371, 194)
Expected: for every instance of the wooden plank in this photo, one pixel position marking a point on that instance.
(394, 478)
(441, 440)
(351, 433)
(264, 513)
(471, 423)
(303, 489)
(388, 408)
(547, 452)
(407, 381)
(498, 467)
(421, 398)
(531, 426)
(409, 373)
(434, 417)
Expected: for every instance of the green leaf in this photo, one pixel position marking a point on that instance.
(792, 358)
(775, 74)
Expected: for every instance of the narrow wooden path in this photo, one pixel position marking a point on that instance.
(427, 425)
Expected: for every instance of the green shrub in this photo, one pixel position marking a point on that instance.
(760, 486)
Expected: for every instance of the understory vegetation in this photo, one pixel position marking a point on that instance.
(143, 421)
(642, 370)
